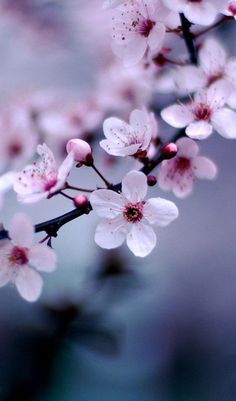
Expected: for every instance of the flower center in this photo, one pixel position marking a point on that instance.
(232, 8)
(182, 163)
(134, 212)
(202, 112)
(18, 256)
(145, 27)
(14, 149)
(50, 184)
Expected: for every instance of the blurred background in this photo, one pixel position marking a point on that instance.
(110, 326)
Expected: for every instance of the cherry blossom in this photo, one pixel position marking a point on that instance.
(127, 215)
(137, 27)
(202, 12)
(81, 150)
(125, 139)
(231, 9)
(203, 114)
(180, 173)
(42, 179)
(19, 253)
(214, 66)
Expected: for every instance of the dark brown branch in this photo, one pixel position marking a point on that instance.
(189, 38)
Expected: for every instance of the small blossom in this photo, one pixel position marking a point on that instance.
(18, 253)
(125, 139)
(202, 12)
(169, 150)
(82, 151)
(127, 215)
(180, 173)
(231, 9)
(42, 179)
(137, 26)
(81, 200)
(205, 113)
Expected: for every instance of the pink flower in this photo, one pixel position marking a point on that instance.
(81, 150)
(128, 139)
(214, 66)
(205, 113)
(18, 253)
(137, 26)
(231, 9)
(42, 179)
(202, 12)
(180, 173)
(127, 213)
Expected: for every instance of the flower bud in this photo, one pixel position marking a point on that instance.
(169, 151)
(82, 151)
(151, 180)
(80, 201)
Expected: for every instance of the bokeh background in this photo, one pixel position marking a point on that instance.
(109, 326)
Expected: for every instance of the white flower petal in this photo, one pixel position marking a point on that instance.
(111, 234)
(21, 230)
(212, 57)
(141, 240)
(29, 283)
(224, 122)
(187, 147)
(183, 188)
(177, 116)
(189, 79)
(42, 257)
(107, 203)
(160, 211)
(119, 151)
(116, 131)
(134, 186)
(156, 37)
(132, 51)
(65, 167)
(204, 167)
(199, 130)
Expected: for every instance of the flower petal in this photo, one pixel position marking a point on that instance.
(21, 230)
(111, 234)
(199, 130)
(65, 167)
(204, 167)
(156, 37)
(177, 116)
(29, 284)
(141, 240)
(107, 203)
(119, 151)
(160, 211)
(224, 122)
(187, 147)
(42, 257)
(134, 186)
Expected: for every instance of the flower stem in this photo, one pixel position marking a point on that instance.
(107, 183)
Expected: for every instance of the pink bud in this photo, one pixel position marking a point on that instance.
(82, 151)
(80, 201)
(151, 180)
(169, 151)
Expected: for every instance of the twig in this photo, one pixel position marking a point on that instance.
(189, 38)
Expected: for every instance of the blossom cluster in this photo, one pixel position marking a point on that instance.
(43, 136)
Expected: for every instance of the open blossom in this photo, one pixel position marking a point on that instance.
(180, 173)
(137, 26)
(203, 114)
(18, 253)
(43, 178)
(214, 66)
(127, 215)
(202, 12)
(125, 139)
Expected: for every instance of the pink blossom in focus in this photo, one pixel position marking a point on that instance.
(180, 173)
(138, 26)
(203, 114)
(127, 139)
(19, 253)
(43, 178)
(81, 150)
(127, 215)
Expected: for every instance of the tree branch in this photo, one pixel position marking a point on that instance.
(189, 39)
